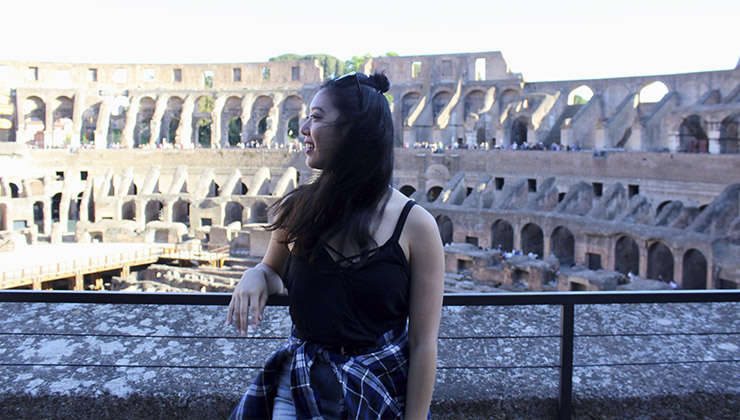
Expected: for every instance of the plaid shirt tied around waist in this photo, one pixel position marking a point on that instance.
(373, 382)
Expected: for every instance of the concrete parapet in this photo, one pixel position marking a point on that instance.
(148, 361)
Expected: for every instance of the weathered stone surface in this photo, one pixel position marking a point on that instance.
(147, 361)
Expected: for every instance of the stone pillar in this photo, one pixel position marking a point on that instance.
(78, 109)
(167, 211)
(37, 284)
(125, 271)
(247, 102)
(20, 132)
(273, 119)
(78, 283)
(643, 260)
(141, 213)
(130, 126)
(184, 133)
(48, 126)
(156, 123)
(101, 127)
(216, 125)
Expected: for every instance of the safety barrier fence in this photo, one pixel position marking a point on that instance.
(566, 301)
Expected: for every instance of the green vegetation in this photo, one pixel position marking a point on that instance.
(332, 66)
(235, 131)
(205, 105)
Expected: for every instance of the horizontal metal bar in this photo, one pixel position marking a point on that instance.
(450, 299)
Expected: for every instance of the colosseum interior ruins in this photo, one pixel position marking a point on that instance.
(563, 185)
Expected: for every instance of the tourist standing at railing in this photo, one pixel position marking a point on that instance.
(364, 270)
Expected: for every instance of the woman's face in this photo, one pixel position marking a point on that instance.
(322, 134)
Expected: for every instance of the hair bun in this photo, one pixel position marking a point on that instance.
(379, 82)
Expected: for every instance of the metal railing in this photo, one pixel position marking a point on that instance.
(566, 300)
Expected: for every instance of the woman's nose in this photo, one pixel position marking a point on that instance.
(305, 128)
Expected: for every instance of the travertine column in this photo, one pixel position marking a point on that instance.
(156, 123)
(184, 133)
(77, 110)
(216, 124)
(131, 118)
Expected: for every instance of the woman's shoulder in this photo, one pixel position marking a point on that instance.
(419, 220)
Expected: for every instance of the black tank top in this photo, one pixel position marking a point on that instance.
(336, 305)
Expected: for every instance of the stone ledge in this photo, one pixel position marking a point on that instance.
(182, 362)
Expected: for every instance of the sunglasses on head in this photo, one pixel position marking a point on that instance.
(349, 79)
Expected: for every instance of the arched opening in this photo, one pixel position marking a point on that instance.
(153, 211)
(474, 102)
(729, 140)
(444, 224)
(519, 131)
(204, 132)
(262, 126)
(563, 245)
(128, 210)
(293, 129)
(62, 121)
(502, 235)
(38, 215)
(240, 188)
(661, 205)
(14, 192)
(626, 256)
(181, 212)
(653, 92)
(34, 117)
(260, 113)
(235, 131)
(433, 193)
(132, 189)
(117, 120)
(694, 270)
(142, 131)
(172, 131)
(580, 95)
(233, 213)
(56, 202)
(532, 240)
(202, 120)
(407, 190)
(258, 213)
(408, 103)
(7, 121)
(660, 262)
(692, 137)
(213, 189)
(89, 125)
(439, 102)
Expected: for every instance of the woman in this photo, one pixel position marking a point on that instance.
(359, 260)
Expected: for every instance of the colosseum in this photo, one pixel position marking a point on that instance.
(570, 185)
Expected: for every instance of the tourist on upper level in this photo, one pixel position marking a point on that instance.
(363, 267)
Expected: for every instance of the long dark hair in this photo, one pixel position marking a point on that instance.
(346, 195)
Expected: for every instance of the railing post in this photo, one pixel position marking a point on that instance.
(565, 391)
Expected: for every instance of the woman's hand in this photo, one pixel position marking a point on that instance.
(249, 299)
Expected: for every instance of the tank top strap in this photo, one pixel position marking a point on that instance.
(402, 219)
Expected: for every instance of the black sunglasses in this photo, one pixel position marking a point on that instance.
(348, 79)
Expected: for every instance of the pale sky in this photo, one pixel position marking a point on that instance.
(542, 39)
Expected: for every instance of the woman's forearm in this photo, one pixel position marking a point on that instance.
(422, 374)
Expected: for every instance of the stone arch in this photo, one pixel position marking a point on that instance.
(7, 122)
(580, 95)
(260, 113)
(142, 131)
(694, 273)
(89, 124)
(660, 262)
(519, 130)
(240, 188)
(433, 193)
(62, 120)
(153, 211)
(181, 212)
(56, 203)
(133, 190)
(128, 210)
(446, 228)
(117, 119)
(661, 206)
(408, 102)
(258, 212)
(38, 215)
(439, 102)
(213, 189)
(563, 245)
(234, 131)
(292, 110)
(653, 92)
(171, 119)
(692, 135)
(34, 119)
(502, 235)
(729, 140)
(231, 119)
(508, 96)
(613, 96)
(407, 190)
(474, 102)
(532, 240)
(202, 121)
(626, 256)
(14, 190)
(233, 213)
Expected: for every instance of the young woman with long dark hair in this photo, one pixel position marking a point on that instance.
(363, 266)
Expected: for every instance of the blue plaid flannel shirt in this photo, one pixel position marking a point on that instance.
(373, 383)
